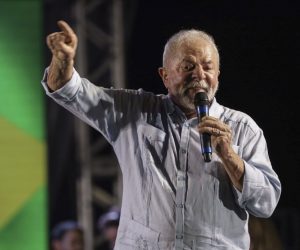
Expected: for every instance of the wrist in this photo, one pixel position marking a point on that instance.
(60, 72)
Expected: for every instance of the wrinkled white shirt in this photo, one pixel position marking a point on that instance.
(172, 199)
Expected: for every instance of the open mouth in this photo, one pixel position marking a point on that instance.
(194, 90)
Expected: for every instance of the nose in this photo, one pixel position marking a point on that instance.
(199, 72)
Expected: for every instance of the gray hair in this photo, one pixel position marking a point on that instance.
(183, 36)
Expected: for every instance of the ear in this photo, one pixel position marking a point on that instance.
(163, 75)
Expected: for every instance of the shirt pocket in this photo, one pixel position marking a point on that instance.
(153, 144)
(137, 236)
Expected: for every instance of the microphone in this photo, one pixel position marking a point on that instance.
(201, 103)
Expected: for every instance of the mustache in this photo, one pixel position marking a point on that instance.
(196, 84)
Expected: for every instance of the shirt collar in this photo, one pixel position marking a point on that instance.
(215, 109)
(172, 109)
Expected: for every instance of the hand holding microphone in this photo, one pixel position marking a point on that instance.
(213, 133)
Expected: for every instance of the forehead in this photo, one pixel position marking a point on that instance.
(199, 48)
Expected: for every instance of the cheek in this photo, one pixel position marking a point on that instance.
(215, 85)
(214, 81)
(176, 82)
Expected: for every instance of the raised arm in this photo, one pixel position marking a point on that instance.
(63, 46)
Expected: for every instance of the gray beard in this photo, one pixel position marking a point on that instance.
(187, 101)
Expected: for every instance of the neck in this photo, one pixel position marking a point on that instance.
(190, 113)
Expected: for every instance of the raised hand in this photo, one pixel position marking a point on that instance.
(63, 46)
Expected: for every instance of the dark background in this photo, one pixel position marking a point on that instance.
(259, 48)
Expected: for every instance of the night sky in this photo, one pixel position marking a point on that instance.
(259, 50)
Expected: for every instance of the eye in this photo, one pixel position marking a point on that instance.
(187, 66)
(208, 66)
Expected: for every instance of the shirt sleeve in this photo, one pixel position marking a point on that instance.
(92, 104)
(108, 110)
(261, 186)
(65, 93)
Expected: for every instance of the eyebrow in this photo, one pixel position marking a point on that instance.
(190, 60)
(208, 62)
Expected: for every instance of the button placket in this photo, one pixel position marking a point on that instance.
(181, 187)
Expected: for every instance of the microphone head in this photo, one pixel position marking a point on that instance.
(201, 99)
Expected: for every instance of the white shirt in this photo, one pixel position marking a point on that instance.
(172, 199)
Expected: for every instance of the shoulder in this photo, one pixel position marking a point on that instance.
(138, 93)
(236, 118)
(133, 101)
(138, 96)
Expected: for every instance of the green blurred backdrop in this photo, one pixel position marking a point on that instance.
(23, 214)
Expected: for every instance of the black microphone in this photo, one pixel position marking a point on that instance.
(201, 104)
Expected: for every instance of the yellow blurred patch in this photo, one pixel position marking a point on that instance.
(22, 169)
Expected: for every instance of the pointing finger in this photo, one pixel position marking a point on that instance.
(71, 38)
(65, 28)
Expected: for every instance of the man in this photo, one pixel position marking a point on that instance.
(107, 225)
(67, 235)
(172, 199)
(263, 234)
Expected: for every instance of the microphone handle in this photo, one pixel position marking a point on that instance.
(202, 110)
(206, 147)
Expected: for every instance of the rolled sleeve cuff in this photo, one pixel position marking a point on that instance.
(65, 93)
(250, 181)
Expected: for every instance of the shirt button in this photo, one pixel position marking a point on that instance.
(179, 236)
(183, 151)
(180, 178)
